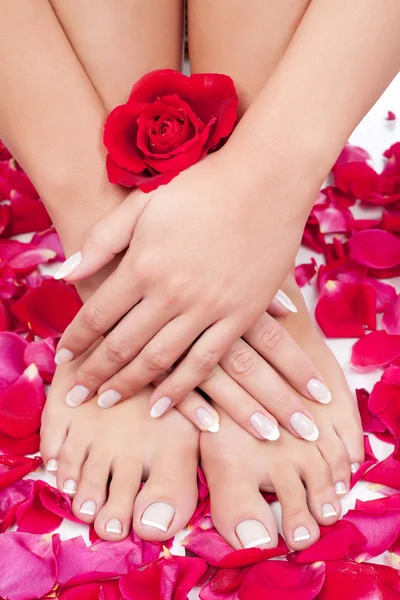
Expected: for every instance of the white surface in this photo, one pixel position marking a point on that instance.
(375, 135)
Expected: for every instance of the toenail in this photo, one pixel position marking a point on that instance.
(158, 515)
(114, 526)
(63, 356)
(340, 488)
(77, 395)
(265, 427)
(108, 398)
(208, 420)
(301, 534)
(328, 510)
(354, 467)
(160, 407)
(252, 533)
(88, 508)
(304, 427)
(319, 391)
(52, 465)
(69, 487)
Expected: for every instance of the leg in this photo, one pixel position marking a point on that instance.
(289, 465)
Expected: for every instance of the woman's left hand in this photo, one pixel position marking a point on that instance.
(206, 255)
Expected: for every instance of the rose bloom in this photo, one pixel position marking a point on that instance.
(170, 122)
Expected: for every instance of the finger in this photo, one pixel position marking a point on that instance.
(197, 364)
(281, 305)
(196, 408)
(279, 349)
(116, 350)
(248, 369)
(107, 238)
(114, 298)
(164, 349)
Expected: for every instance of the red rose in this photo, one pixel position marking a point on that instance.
(169, 123)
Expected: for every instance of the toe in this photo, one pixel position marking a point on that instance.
(323, 501)
(168, 498)
(349, 430)
(92, 489)
(114, 519)
(52, 437)
(71, 458)
(299, 526)
(336, 457)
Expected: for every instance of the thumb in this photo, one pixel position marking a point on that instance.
(107, 238)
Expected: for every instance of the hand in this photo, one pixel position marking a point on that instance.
(188, 241)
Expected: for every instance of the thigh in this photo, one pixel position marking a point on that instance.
(242, 38)
(118, 41)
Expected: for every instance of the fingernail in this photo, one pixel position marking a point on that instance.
(160, 407)
(304, 427)
(114, 526)
(52, 465)
(301, 534)
(69, 487)
(328, 510)
(354, 467)
(108, 398)
(252, 533)
(69, 266)
(319, 391)
(63, 356)
(285, 301)
(88, 508)
(340, 488)
(158, 515)
(207, 420)
(77, 395)
(265, 427)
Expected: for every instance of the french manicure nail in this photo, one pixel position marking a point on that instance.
(252, 534)
(265, 427)
(69, 487)
(77, 395)
(88, 508)
(208, 420)
(328, 510)
(52, 465)
(69, 266)
(114, 526)
(354, 467)
(63, 356)
(319, 391)
(304, 427)
(108, 398)
(158, 515)
(340, 488)
(285, 301)
(160, 407)
(301, 534)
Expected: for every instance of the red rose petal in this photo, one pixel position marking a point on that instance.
(385, 293)
(351, 154)
(387, 472)
(375, 248)
(106, 590)
(360, 181)
(50, 240)
(333, 219)
(384, 401)
(370, 422)
(12, 350)
(42, 355)
(10, 498)
(28, 445)
(347, 580)
(377, 349)
(120, 136)
(13, 468)
(27, 261)
(391, 317)
(337, 541)
(27, 215)
(305, 272)
(390, 116)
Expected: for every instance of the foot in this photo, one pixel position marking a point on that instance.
(100, 457)
(309, 478)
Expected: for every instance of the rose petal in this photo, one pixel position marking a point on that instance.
(50, 240)
(305, 272)
(360, 181)
(28, 445)
(390, 116)
(337, 541)
(391, 317)
(375, 248)
(42, 355)
(27, 214)
(384, 401)
(351, 154)
(387, 472)
(106, 590)
(377, 349)
(10, 498)
(12, 349)
(370, 422)
(27, 261)
(347, 580)
(369, 460)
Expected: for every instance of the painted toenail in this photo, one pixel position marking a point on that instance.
(354, 467)
(252, 534)
(285, 301)
(265, 427)
(108, 398)
(63, 356)
(328, 510)
(340, 488)
(208, 420)
(301, 534)
(160, 407)
(304, 427)
(158, 515)
(77, 395)
(88, 508)
(52, 465)
(319, 391)
(114, 526)
(69, 487)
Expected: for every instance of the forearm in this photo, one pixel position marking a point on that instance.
(341, 59)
